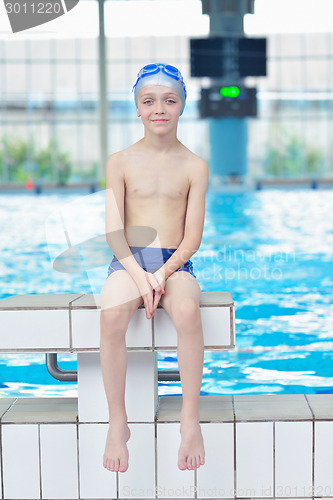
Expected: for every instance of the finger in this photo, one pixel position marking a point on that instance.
(157, 300)
(148, 297)
(153, 311)
(150, 301)
(145, 301)
(158, 287)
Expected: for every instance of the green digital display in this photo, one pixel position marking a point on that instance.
(229, 91)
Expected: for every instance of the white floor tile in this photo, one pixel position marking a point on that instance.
(140, 330)
(215, 324)
(59, 466)
(254, 459)
(323, 466)
(92, 403)
(141, 387)
(95, 480)
(1, 481)
(233, 328)
(215, 479)
(139, 479)
(164, 330)
(86, 329)
(34, 329)
(20, 461)
(293, 458)
(171, 481)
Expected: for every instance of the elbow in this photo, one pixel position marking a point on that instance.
(193, 242)
(114, 237)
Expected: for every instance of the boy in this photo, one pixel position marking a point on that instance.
(158, 185)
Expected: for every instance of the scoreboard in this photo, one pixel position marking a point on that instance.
(228, 57)
(233, 101)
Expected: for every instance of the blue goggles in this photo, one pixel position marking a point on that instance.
(152, 69)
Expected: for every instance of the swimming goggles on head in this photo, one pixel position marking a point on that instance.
(152, 69)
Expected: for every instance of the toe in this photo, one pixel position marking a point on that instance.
(123, 467)
(182, 464)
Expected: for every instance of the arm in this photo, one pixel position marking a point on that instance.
(194, 221)
(114, 214)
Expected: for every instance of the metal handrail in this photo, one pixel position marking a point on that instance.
(71, 375)
(57, 372)
(168, 375)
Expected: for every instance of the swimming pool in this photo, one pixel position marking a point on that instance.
(272, 249)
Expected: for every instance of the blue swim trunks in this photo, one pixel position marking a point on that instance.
(150, 259)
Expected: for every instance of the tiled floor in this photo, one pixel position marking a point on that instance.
(257, 446)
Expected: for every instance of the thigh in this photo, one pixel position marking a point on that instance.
(180, 287)
(120, 291)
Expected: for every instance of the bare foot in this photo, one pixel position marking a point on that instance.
(191, 452)
(116, 453)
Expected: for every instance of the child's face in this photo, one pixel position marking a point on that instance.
(159, 107)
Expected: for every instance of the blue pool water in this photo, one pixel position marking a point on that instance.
(272, 249)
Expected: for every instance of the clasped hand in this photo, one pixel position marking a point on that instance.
(151, 286)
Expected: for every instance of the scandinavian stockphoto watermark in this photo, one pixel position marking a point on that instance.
(213, 491)
(27, 14)
(230, 264)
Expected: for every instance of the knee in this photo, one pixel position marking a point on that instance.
(186, 313)
(113, 323)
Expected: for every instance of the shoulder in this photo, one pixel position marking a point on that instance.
(201, 165)
(194, 159)
(113, 160)
(114, 169)
(121, 158)
(197, 167)
(116, 162)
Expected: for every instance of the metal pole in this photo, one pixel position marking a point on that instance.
(228, 136)
(71, 375)
(57, 372)
(103, 101)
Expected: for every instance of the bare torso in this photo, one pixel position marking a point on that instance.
(156, 191)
